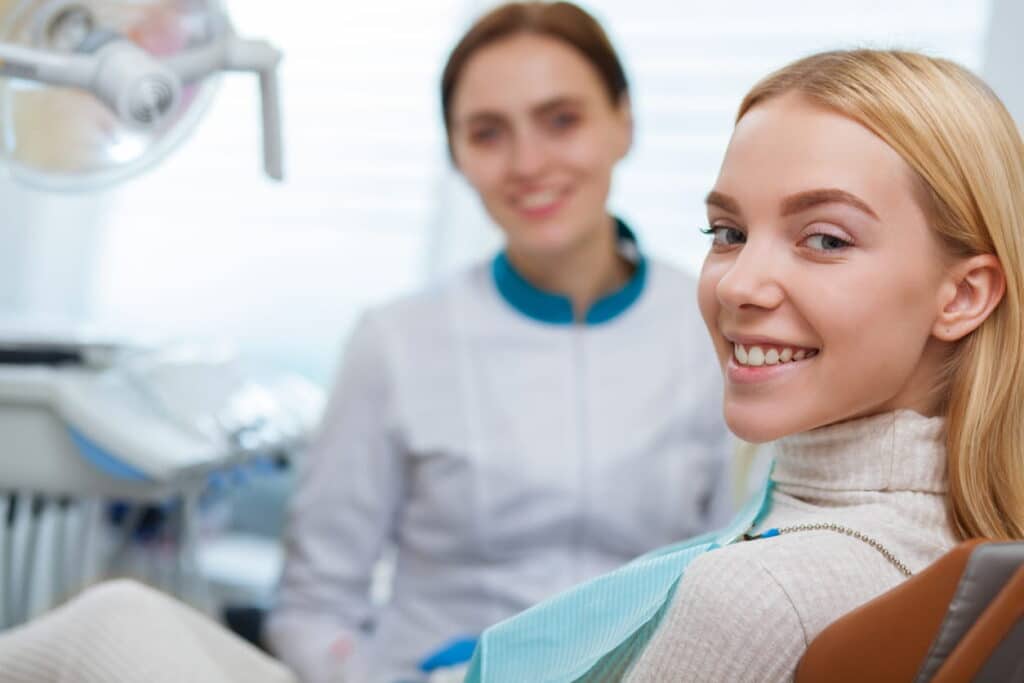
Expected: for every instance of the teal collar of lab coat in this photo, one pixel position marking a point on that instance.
(555, 309)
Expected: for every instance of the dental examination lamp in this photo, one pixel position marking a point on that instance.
(97, 91)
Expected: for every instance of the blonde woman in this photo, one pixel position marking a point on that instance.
(863, 291)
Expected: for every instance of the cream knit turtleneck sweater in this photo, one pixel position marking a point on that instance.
(748, 611)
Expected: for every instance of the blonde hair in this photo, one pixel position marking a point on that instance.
(967, 153)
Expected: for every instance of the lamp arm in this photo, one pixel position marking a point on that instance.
(43, 66)
(143, 90)
(137, 87)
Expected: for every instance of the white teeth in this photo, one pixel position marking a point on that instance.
(537, 200)
(741, 353)
(756, 356)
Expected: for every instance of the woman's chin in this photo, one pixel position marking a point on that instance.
(759, 428)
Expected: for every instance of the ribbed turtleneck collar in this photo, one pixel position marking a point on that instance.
(898, 451)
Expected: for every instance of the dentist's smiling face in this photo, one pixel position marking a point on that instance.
(822, 286)
(534, 131)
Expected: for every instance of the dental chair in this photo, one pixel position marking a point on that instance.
(960, 619)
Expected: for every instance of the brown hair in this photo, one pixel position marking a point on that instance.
(967, 154)
(562, 21)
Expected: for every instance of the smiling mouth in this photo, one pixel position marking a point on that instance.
(539, 200)
(758, 355)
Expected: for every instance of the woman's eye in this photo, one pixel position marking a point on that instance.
(564, 120)
(481, 136)
(725, 236)
(822, 242)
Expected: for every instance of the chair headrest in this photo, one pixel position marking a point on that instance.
(989, 569)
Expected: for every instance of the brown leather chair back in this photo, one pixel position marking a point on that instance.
(957, 620)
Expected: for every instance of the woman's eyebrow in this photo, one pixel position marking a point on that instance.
(480, 118)
(797, 202)
(805, 200)
(722, 201)
(554, 104)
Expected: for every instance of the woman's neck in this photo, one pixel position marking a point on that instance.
(893, 451)
(583, 272)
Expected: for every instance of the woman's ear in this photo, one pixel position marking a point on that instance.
(975, 287)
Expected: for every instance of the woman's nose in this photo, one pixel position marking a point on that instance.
(753, 279)
(528, 156)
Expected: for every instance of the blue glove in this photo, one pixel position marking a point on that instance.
(452, 653)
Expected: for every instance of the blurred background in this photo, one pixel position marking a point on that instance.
(204, 246)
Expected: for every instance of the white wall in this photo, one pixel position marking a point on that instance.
(1004, 55)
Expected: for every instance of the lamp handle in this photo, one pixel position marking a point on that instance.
(232, 53)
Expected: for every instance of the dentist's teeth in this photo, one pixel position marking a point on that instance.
(538, 199)
(772, 357)
(741, 354)
(786, 355)
(799, 355)
(755, 356)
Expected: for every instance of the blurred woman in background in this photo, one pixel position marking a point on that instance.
(534, 421)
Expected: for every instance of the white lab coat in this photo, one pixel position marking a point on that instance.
(507, 459)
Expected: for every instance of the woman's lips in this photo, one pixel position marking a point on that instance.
(541, 203)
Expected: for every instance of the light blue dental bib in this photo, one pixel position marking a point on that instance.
(593, 632)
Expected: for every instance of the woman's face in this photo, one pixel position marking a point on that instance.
(535, 134)
(822, 285)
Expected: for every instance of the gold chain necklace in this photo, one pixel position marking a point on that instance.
(838, 528)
